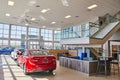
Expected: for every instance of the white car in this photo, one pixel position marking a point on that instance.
(16, 52)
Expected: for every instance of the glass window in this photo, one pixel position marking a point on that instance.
(18, 31)
(57, 36)
(33, 32)
(15, 43)
(48, 45)
(57, 46)
(4, 30)
(47, 34)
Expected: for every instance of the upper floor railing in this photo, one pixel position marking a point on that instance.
(89, 29)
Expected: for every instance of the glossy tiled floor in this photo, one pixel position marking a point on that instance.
(13, 72)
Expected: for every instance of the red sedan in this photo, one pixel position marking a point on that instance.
(36, 61)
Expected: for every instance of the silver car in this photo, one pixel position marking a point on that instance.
(16, 52)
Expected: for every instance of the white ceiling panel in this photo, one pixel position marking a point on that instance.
(24, 10)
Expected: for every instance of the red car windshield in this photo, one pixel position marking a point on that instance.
(37, 52)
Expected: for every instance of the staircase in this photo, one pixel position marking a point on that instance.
(104, 34)
(92, 34)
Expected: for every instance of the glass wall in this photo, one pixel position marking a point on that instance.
(47, 34)
(3, 43)
(84, 30)
(15, 43)
(18, 31)
(4, 31)
(16, 36)
(33, 32)
(56, 35)
(57, 45)
(48, 45)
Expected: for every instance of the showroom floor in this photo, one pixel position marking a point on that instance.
(10, 71)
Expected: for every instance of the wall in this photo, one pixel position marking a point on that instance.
(116, 36)
(84, 40)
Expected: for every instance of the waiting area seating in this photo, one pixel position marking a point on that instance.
(107, 65)
(103, 65)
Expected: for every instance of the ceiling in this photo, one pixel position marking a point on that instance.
(24, 10)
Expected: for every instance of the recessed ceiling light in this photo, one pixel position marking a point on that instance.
(53, 22)
(44, 26)
(68, 16)
(7, 14)
(10, 3)
(76, 16)
(45, 10)
(32, 2)
(92, 6)
(37, 5)
(26, 24)
(33, 19)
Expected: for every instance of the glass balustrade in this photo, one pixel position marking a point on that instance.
(87, 30)
(84, 30)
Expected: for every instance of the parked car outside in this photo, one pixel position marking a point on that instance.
(16, 52)
(36, 61)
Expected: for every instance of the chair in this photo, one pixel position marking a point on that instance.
(115, 63)
(103, 65)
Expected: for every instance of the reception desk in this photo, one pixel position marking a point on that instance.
(87, 67)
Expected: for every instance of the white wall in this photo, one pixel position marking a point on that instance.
(84, 40)
(116, 36)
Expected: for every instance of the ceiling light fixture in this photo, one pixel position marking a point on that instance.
(32, 2)
(44, 26)
(7, 14)
(33, 19)
(10, 3)
(68, 16)
(92, 6)
(45, 10)
(53, 22)
(26, 24)
(43, 18)
(65, 2)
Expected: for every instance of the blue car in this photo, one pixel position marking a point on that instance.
(6, 50)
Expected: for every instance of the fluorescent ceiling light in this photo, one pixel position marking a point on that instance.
(65, 2)
(45, 10)
(33, 19)
(10, 3)
(26, 24)
(32, 2)
(43, 18)
(92, 6)
(53, 22)
(7, 14)
(68, 16)
(44, 26)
